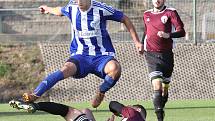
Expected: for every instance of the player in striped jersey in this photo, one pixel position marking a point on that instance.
(91, 47)
(158, 43)
(128, 113)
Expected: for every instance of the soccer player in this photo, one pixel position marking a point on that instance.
(158, 44)
(68, 113)
(91, 47)
(128, 113)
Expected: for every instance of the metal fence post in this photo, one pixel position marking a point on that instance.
(0, 23)
(194, 22)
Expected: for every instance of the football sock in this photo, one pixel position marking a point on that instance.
(164, 100)
(52, 108)
(165, 94)
(107, 84)
(160, 115)
(48, 82)
(157, 101)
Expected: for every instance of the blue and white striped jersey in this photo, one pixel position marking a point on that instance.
(89, 32)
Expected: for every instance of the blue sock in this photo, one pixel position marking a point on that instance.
(48, 82)
(107, 84)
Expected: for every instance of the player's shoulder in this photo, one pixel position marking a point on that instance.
(72, 3)
(102, 6)
(148, 11)
(170, 9)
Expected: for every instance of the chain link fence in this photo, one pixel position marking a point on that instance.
(19, 21)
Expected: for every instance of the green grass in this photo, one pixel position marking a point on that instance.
(186, 110)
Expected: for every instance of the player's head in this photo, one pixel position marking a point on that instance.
(116, 108)
(158, 3)
(130, 113)
(83, 4)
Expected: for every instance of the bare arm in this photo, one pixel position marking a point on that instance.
(52, 10)
(112, 118)
(133, 33)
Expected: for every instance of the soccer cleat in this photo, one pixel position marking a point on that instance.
(98, 98)
(18, 104)
(29, 98)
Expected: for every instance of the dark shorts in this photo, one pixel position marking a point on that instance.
(81, 117)
(160, 64)
(90, 64)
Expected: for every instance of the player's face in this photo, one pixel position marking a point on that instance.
(83, 4)
(158, 3)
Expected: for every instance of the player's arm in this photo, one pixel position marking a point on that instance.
(178, 24)
(112, 118)
(130, 27)
(179, 27)
(144, 31)
(50, 10)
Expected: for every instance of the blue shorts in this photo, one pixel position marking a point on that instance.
(90, 64)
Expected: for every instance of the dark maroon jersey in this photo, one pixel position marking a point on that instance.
(131, 114)
(168, 21)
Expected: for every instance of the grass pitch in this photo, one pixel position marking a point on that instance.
(183, 110)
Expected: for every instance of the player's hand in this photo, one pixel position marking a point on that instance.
(163, 34)
(112, 118)
(44, 9)
(140, 48)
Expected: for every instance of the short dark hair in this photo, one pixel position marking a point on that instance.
(116, 108)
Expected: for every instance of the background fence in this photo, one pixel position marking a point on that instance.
(18, 22)
(193, 76)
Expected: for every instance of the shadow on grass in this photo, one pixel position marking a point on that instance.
(172, 108)
(21, 113)
(44, 113)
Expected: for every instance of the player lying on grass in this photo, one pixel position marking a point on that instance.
(128, 113)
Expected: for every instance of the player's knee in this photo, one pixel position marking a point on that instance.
(69, 69)
(113, 69)
(157, 83)
(85, 111)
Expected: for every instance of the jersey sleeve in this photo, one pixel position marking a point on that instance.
(111, 13)
(66, 9)
(144, 29)
(176, 21)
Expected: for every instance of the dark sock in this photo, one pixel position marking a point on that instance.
(160, 114)
(157, 101)
(52, 108)
(164, 100)
(107, 84)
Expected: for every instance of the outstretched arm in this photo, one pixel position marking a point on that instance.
(133, 33)
(50, 10)
(112, 118)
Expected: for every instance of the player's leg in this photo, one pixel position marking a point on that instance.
(157, 97)
(154, 63)
(65, 111)
(110, 70)
(113, 72)
(68, 69)
(165, 92)
(167, 73)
